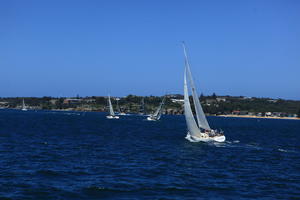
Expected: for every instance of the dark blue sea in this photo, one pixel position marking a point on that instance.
(82, 155)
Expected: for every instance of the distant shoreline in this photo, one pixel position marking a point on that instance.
(235, 116)
(258, 117)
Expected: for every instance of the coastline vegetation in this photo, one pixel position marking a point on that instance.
(212, 104)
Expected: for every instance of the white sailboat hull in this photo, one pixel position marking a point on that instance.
(152, 119)
(112, 117)
(206, 138)
(23, 106)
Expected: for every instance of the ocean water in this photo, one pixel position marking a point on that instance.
(78, 155)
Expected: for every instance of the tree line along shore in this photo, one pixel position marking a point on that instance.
(212, 105)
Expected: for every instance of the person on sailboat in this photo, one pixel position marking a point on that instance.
(210, 133)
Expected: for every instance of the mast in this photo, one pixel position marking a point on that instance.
(201, 119)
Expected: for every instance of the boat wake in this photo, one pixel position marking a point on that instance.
(189, 138)
(71, 113)
(287, 150)
(282, 150)
(230, 144)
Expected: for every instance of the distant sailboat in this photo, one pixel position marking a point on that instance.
(142, 107)
(24, 106)
(119, 109)
(111, 111)
(122, 113)
(156, 116)
(201, 131)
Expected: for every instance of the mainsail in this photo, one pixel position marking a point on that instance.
(189, 118)
(23, 105)
(201, 119)
(118, 107)
(111, 111)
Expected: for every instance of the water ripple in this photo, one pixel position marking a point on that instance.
(68, 155)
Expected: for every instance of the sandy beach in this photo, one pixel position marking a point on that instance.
(262, 117)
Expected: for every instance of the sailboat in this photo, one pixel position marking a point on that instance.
(201, 130)
(156, 116)
(24, 106)
(142, 107)
(119, 109)
(111, 111)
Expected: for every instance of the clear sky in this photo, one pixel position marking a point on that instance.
(64, 48)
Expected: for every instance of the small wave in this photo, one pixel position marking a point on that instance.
(218, 144)
(93, 189)
(234, 141)
(71, 113)
(188, 137)
(253, 146)
(282, 150)
(97, 189)
(174, 189)
(48, 173)
(53, 173)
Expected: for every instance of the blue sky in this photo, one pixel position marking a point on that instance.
(65, 48)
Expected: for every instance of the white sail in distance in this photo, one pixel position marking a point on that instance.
(159, 109)
(111, 111)
(142, 106)
(118, 107)
(23, 105)
(201, 119)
